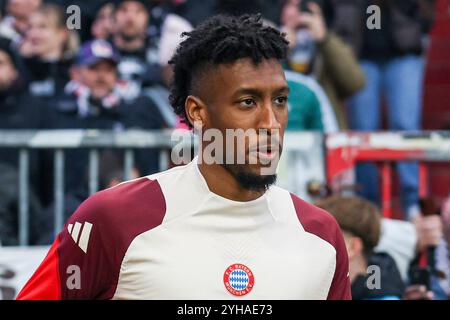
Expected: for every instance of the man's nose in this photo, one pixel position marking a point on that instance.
(268, 118)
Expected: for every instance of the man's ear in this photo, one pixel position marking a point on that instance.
(357, 246)
(196, 111)
(354, 245)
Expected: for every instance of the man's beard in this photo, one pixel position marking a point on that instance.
(249, 180)
(131, 37)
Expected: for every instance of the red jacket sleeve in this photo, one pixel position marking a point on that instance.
(325, 226)
(45, 282)
(340, 286)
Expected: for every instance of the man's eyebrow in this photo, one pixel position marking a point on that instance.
(251, 91)
(258, 92)
(283, 89)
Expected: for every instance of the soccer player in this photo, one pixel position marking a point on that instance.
(206, 230)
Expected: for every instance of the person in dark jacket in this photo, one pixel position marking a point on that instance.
(391, 284)
(48, 50)
(317, 51)
(138, 49)
(391, 55)
(374, 276)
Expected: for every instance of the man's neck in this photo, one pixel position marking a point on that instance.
(358, 266)
(129, 44)
(221, 182)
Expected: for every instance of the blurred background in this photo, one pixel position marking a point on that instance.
(84, 88)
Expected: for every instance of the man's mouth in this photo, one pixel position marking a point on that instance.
(266, 153)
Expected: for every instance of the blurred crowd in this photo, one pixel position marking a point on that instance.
(113, 72)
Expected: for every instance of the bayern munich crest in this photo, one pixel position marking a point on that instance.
(238, 279)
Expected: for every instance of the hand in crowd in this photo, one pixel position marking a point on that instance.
(429, 231)
(293, 18)
(417, 292)
(314, 21)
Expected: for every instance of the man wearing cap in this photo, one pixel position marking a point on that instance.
(96, 99)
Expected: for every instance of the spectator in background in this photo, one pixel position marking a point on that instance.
(146, 47)
(48, 50)
(316, 51)
(103, 24)
(94, 99)
(16, 22)
(443, 249)
(172, 26)
(406, 241)
(393, 245)
(392, 61)
(361, 225)
(429, 230)
(140, 60)
(17, 111)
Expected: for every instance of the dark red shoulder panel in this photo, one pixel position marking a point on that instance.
(319, 222)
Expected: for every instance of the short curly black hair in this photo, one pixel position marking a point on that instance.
(221, 39)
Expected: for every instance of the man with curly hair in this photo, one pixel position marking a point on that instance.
(206, 230)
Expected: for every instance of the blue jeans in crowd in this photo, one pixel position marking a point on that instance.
(400, 81)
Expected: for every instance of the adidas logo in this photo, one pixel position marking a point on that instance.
(82, 239)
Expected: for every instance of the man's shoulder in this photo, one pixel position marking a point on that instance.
(316, 220)
(133, 207)
(130, 199)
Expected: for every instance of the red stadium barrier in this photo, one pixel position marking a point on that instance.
(344, 150)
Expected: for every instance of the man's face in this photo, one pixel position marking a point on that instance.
(44, 35)
(242, 95)
(131, 19)
(21, 10)
(8, 74)
(103, 25)
(290, 14)
(100, 78)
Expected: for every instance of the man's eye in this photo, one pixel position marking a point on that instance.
(247, 102)
(281, 100)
